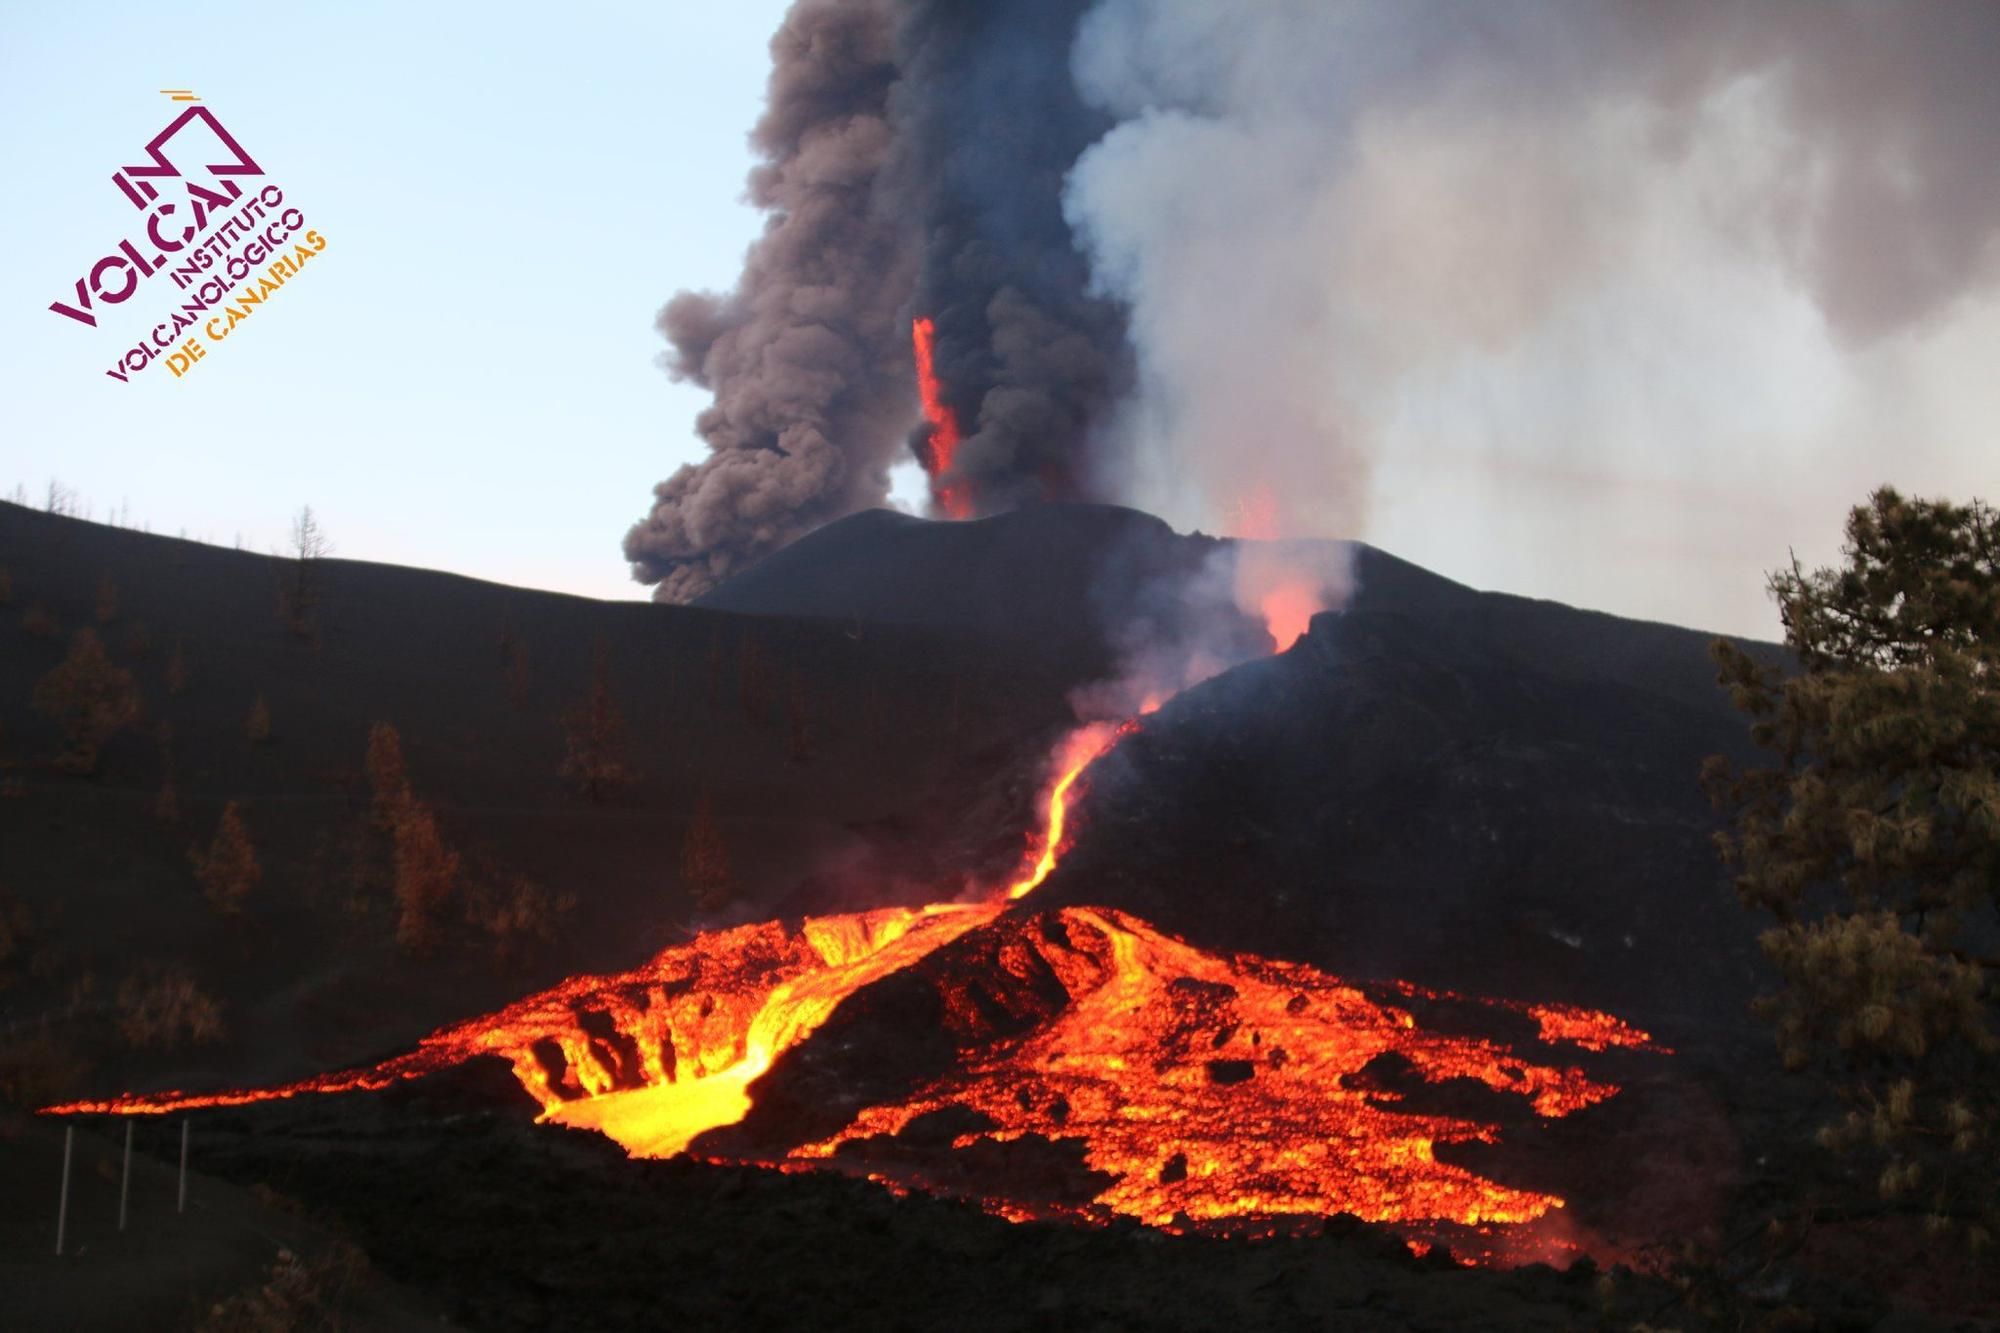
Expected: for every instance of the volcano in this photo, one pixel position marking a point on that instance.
(1399, 923)
(1148, 1077)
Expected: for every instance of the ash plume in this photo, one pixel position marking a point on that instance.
(914, 156)
(805, 356)
(1490, 280)
(1031, 360)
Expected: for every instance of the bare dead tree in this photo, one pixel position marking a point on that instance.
(309, 545)
(308, 539)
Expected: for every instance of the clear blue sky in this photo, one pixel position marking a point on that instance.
(468, 379)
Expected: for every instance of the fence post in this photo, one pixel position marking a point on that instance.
(125, 1180)
(62, 1208)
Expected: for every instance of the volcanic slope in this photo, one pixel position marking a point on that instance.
(1471, 790)
(834, 759)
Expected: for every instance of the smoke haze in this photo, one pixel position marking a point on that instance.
(1610, 302)
(1498, 285)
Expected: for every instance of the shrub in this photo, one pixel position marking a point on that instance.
(387, 777)
(38, 1067)
(705, 860)
(517, 913)
(161, 1008)
(90, 699)
(296, 1294)
(228, 870)
(17, 936)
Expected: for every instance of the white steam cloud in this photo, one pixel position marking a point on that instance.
(1611, 302)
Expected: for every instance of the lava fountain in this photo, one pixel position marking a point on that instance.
(942, 442)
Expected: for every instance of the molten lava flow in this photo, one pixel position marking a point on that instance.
(943, 421)
(1204, 1089)
(698, 1023)
(659, 1117)
(1588, 1028)
(1211, 1087)
(1079, 750)
(1201, 1089)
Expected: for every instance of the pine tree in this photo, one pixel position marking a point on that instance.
(228, 870)
(798, 720)
(107, 600)
(426, 873)
(750, 674)
(595, 729)
(388, 780)
(177, 671)
(258, 725)
(1875, 843)
(167, 803)
(90, 699)
(705, 860)
(514, 663)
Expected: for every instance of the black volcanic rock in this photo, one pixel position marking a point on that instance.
(1476, 790)
(1064, 579)
(1503, 800)
(853, 757)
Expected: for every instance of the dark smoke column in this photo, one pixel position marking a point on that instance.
(808, 357)
(914, 154)
(1029, 362)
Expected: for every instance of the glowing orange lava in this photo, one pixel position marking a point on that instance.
(1588, 1028)
(1212, 1087)
(1286, 592)
(943, 421)
(1288, 610)
(720, 1007)
(1079, 750)
(1203, 1089)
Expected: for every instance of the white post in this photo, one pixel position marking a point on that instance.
(62, 1208)
(125, 1180)
(182, 1206)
